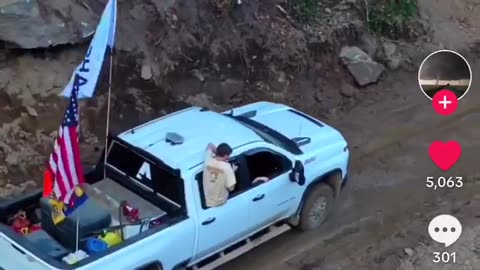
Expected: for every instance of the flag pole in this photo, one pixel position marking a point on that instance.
(108, 113)
(77, 239)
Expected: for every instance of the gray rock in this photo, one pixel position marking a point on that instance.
(198, 75)
(347, 90)
(281, 77)
(12, 159)
(45, 23)
(3, 170)
(318, 96)
(32, 112)
(53, 134)
(393, 58)
(361, 66)
(408, 251)
(28, 184)
(146, 72)
(369, 43)
(10, 186)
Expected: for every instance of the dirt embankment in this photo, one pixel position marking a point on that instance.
(170, 54)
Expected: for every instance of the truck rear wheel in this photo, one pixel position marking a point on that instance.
(316, 208)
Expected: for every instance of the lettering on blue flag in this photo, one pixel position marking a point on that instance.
(90, 68)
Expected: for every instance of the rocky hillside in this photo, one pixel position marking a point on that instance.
(169, 55)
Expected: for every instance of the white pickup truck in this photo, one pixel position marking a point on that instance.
(157, 167)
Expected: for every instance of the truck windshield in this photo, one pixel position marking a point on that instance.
(269, 135)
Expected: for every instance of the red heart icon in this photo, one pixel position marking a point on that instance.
(445, 155)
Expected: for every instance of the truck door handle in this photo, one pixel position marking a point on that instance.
(259, 197)
(208, 221)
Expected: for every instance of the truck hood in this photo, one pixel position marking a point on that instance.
(292, 124)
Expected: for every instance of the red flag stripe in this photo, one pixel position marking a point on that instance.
(77, 161)
(67, 155)
(60, 188)
(61, 176)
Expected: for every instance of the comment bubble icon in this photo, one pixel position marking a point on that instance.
(445, 229)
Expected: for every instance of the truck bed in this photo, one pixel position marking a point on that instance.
(106, 194)
(109, 194)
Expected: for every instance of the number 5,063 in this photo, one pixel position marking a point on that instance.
(444, 257)
(444, 182)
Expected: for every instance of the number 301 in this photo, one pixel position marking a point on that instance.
(444, 257)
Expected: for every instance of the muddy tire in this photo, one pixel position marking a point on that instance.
(153, 266)
(316, 208)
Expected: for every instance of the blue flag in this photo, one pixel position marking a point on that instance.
(89, 70)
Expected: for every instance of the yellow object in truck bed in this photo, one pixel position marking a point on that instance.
(111, 238)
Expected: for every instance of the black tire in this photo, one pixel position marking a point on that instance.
(316, 208)
(153, 266)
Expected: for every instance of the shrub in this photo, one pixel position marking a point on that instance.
(390, 18)
(224, 6)
(306, 11)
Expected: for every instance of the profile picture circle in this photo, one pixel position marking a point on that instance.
(445, 70)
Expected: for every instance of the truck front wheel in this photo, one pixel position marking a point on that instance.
(153, 266)
(316, 208)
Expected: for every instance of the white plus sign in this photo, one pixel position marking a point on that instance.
(444, 102)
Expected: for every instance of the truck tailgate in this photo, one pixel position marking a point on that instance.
(14, 257)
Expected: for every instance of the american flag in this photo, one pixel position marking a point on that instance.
(64, 166)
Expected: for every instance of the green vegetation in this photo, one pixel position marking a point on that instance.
(431, 90)
(390, 18)
(224, 6)
(305, 11)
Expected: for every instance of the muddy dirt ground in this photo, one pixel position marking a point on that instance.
(381, 219)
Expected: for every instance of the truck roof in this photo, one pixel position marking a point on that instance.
(197, 127)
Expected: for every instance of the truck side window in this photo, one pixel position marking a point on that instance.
(267, 163)
(252, 165)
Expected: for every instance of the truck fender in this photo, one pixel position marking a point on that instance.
(334, 183)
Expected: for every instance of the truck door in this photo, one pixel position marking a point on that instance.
(222, 225)
(274, 199)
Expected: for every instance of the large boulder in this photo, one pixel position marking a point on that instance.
(361, 66)
(32, 24)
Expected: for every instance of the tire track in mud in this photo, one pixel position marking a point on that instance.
(406, 132)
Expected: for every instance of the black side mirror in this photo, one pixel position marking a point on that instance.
(297, 175)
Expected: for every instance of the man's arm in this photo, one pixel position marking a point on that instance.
(210, 151)
(230, 179)
(211, 147)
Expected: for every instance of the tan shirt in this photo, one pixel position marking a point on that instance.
(218, 179)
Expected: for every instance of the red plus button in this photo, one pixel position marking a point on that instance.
(445, 102)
